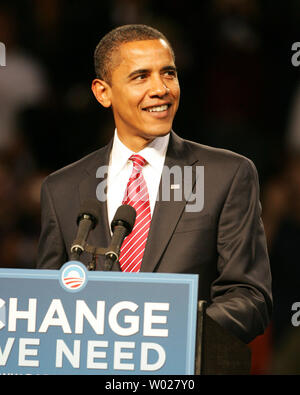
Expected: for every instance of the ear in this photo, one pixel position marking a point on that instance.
(101, 91)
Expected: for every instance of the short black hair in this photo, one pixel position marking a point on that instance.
(112, 41)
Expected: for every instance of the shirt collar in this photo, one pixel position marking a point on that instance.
(154, 153)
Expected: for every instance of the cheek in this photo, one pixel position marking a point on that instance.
(129, 100)
(125, 107)
(176, 90)
(176, 98)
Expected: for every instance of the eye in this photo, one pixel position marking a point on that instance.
(170, 73)
(140, 77)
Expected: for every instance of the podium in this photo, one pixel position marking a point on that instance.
(218, 352)
(71, 321)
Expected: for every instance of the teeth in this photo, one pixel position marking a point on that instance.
(158, 108)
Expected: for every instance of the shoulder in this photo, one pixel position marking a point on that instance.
(74, 172)
(220, 158)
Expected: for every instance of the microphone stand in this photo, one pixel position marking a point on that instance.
(120, 227)
(76, 252)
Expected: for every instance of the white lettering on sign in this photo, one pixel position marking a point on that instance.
(55, 308)
(24, 352)
(96, 322)
(150, 319)
(57, 317)
(15, 314)
(67, 356)
(124, 318)
(132, 320)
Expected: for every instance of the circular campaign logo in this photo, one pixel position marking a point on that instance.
(73, 276)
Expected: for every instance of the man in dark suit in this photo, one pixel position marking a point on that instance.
(220, 236)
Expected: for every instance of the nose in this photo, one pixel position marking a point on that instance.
(158, 87)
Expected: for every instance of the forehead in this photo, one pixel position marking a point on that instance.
(144, 54)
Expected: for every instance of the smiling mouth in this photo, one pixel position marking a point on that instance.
(161, 108)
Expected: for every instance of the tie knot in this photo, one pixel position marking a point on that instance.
(138, 161)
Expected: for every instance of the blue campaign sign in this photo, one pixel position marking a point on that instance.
(72, 321)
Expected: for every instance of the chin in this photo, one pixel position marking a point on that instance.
(158, 132)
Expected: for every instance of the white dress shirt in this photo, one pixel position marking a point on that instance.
(120, 169)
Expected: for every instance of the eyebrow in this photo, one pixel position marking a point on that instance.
(145, 71)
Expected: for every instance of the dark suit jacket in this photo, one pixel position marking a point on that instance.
(224, 243)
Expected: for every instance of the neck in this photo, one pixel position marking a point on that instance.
(135, 143)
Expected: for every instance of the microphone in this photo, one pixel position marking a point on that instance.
(121, 226)
(87, 219)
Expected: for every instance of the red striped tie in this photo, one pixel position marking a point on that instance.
(137, 196)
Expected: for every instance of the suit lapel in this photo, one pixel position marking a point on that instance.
(167, 212)
(90, 188)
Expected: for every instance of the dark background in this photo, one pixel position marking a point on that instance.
(239, 90)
